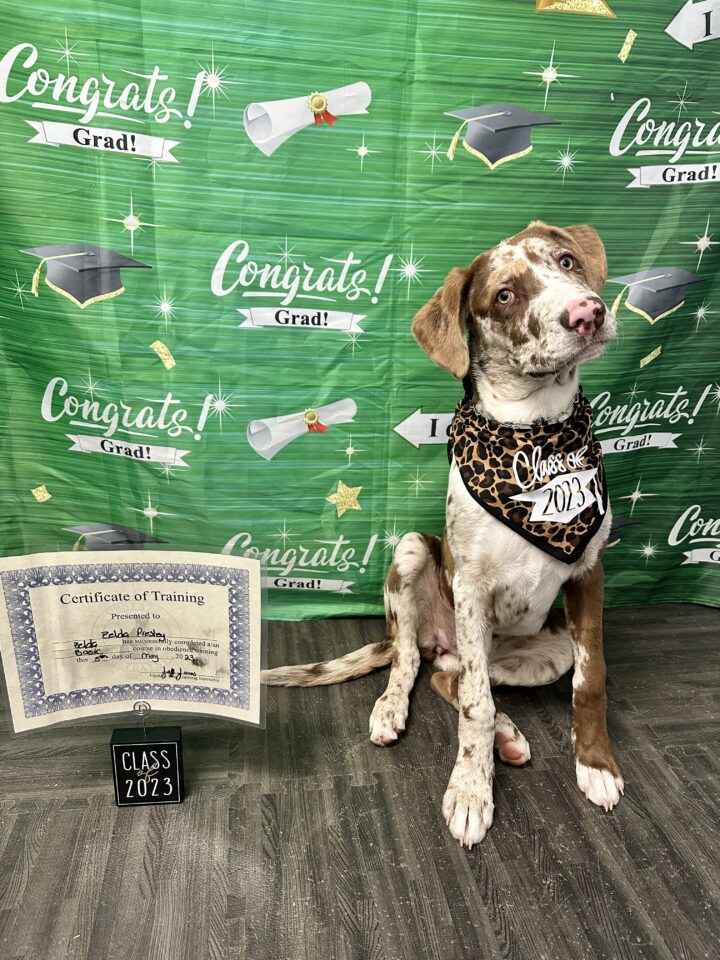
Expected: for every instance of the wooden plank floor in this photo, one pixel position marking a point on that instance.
(305, 841)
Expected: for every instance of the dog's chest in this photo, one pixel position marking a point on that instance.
(518, 582)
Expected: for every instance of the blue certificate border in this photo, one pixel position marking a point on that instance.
(17, 585)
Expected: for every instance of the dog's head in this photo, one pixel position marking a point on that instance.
(531, 304)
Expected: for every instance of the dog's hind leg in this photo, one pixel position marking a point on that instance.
(409, 588)
(535, 660)
(511, 745)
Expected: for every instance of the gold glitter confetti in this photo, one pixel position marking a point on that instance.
(627, 46)
(596, 8)
(345, 498)
(650, 357)
(162, 351)
(41, 493)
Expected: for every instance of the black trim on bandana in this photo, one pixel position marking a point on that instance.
(561, 461)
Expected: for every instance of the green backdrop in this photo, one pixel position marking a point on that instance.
(351, 225)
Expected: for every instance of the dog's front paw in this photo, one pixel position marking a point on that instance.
(388, 719)
(600, 786)
(468, 805)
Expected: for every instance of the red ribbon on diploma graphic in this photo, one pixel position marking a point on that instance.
(318, 103)
(311, 418)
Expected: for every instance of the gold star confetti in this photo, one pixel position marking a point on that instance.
(627, 46)
(41, 493)
(162, 351)
(596, 8)
(653, 355)
(345, 498)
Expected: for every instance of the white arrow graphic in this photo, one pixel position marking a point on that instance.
(424, 428)
(695, 23)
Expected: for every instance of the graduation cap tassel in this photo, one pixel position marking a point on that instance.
(618, 300)
(36, 276)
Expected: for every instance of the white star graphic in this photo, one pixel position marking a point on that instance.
(350, 451)
(362, 150)
(167, 470)
(633, 392)
(636, 496)
(549, 75)
(701, 314)
(151, 512)
(89, 385)
(682, 102)
(700, 449)
(701, 243)
(19, 291)
(648, 550)
(392, 537)
(283, 533)
(67, 52)
(353, 341)
(410, 269)
(432, 152)
(565, 161)
(417, 482)
(164, 307)
(287, 254)
(715, 395)
(131, 221)
(215, 80)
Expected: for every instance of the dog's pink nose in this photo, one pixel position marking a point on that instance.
(584, 314)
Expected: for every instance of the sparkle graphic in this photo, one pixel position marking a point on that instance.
(220, 405)
(350, 451)
(132, 222)
(715, 395)
(164, 307)
(19, 291)
(167, 470)
(647, 550)
(636, 496)
(633, 392)
(67, 52)
(700, 449)
(287, 254)
(702, 243)
(362, 150)
(550, 75)
(283, 533)
(432, 152)
(151, 513)
(392, 537)
(417, 482)
(565, 161)
(215, 80)
(89, 385)
(154, 164)
(410, 269)
(682, 102)
(353, 340)
(701, 314)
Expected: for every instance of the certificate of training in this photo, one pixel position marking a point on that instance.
(88, 634)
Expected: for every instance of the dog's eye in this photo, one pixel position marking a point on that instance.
(505, 296)
(567, 262)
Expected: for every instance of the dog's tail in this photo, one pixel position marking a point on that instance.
(355, 664)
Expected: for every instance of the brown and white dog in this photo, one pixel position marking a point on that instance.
(517, 322)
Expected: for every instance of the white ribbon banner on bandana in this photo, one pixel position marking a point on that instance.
(144, 452)
(641, 441)
(672, 175)
(563, 497)
(56, 134)
(307, 583)
(268, 437)
(704, 555)
(270, 123)
(286, 318)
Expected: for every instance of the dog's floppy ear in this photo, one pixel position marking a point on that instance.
(439, 327)
(588, 239)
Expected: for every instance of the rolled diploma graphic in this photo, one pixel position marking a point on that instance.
(271, 123)
(268, 437)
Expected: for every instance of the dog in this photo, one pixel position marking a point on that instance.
(514, 326)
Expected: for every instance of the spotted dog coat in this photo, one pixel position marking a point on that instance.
(515, 324)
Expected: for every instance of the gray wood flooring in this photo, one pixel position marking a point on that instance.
(305, 841)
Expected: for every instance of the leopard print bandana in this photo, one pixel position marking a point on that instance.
(545, 481)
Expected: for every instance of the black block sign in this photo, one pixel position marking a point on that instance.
(147, 766)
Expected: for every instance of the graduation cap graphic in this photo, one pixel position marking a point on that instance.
(496, 132)
(81, 272)
(109, 536)
(616, 527)
(655, 293)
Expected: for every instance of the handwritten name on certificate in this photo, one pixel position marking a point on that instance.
(92, 633)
